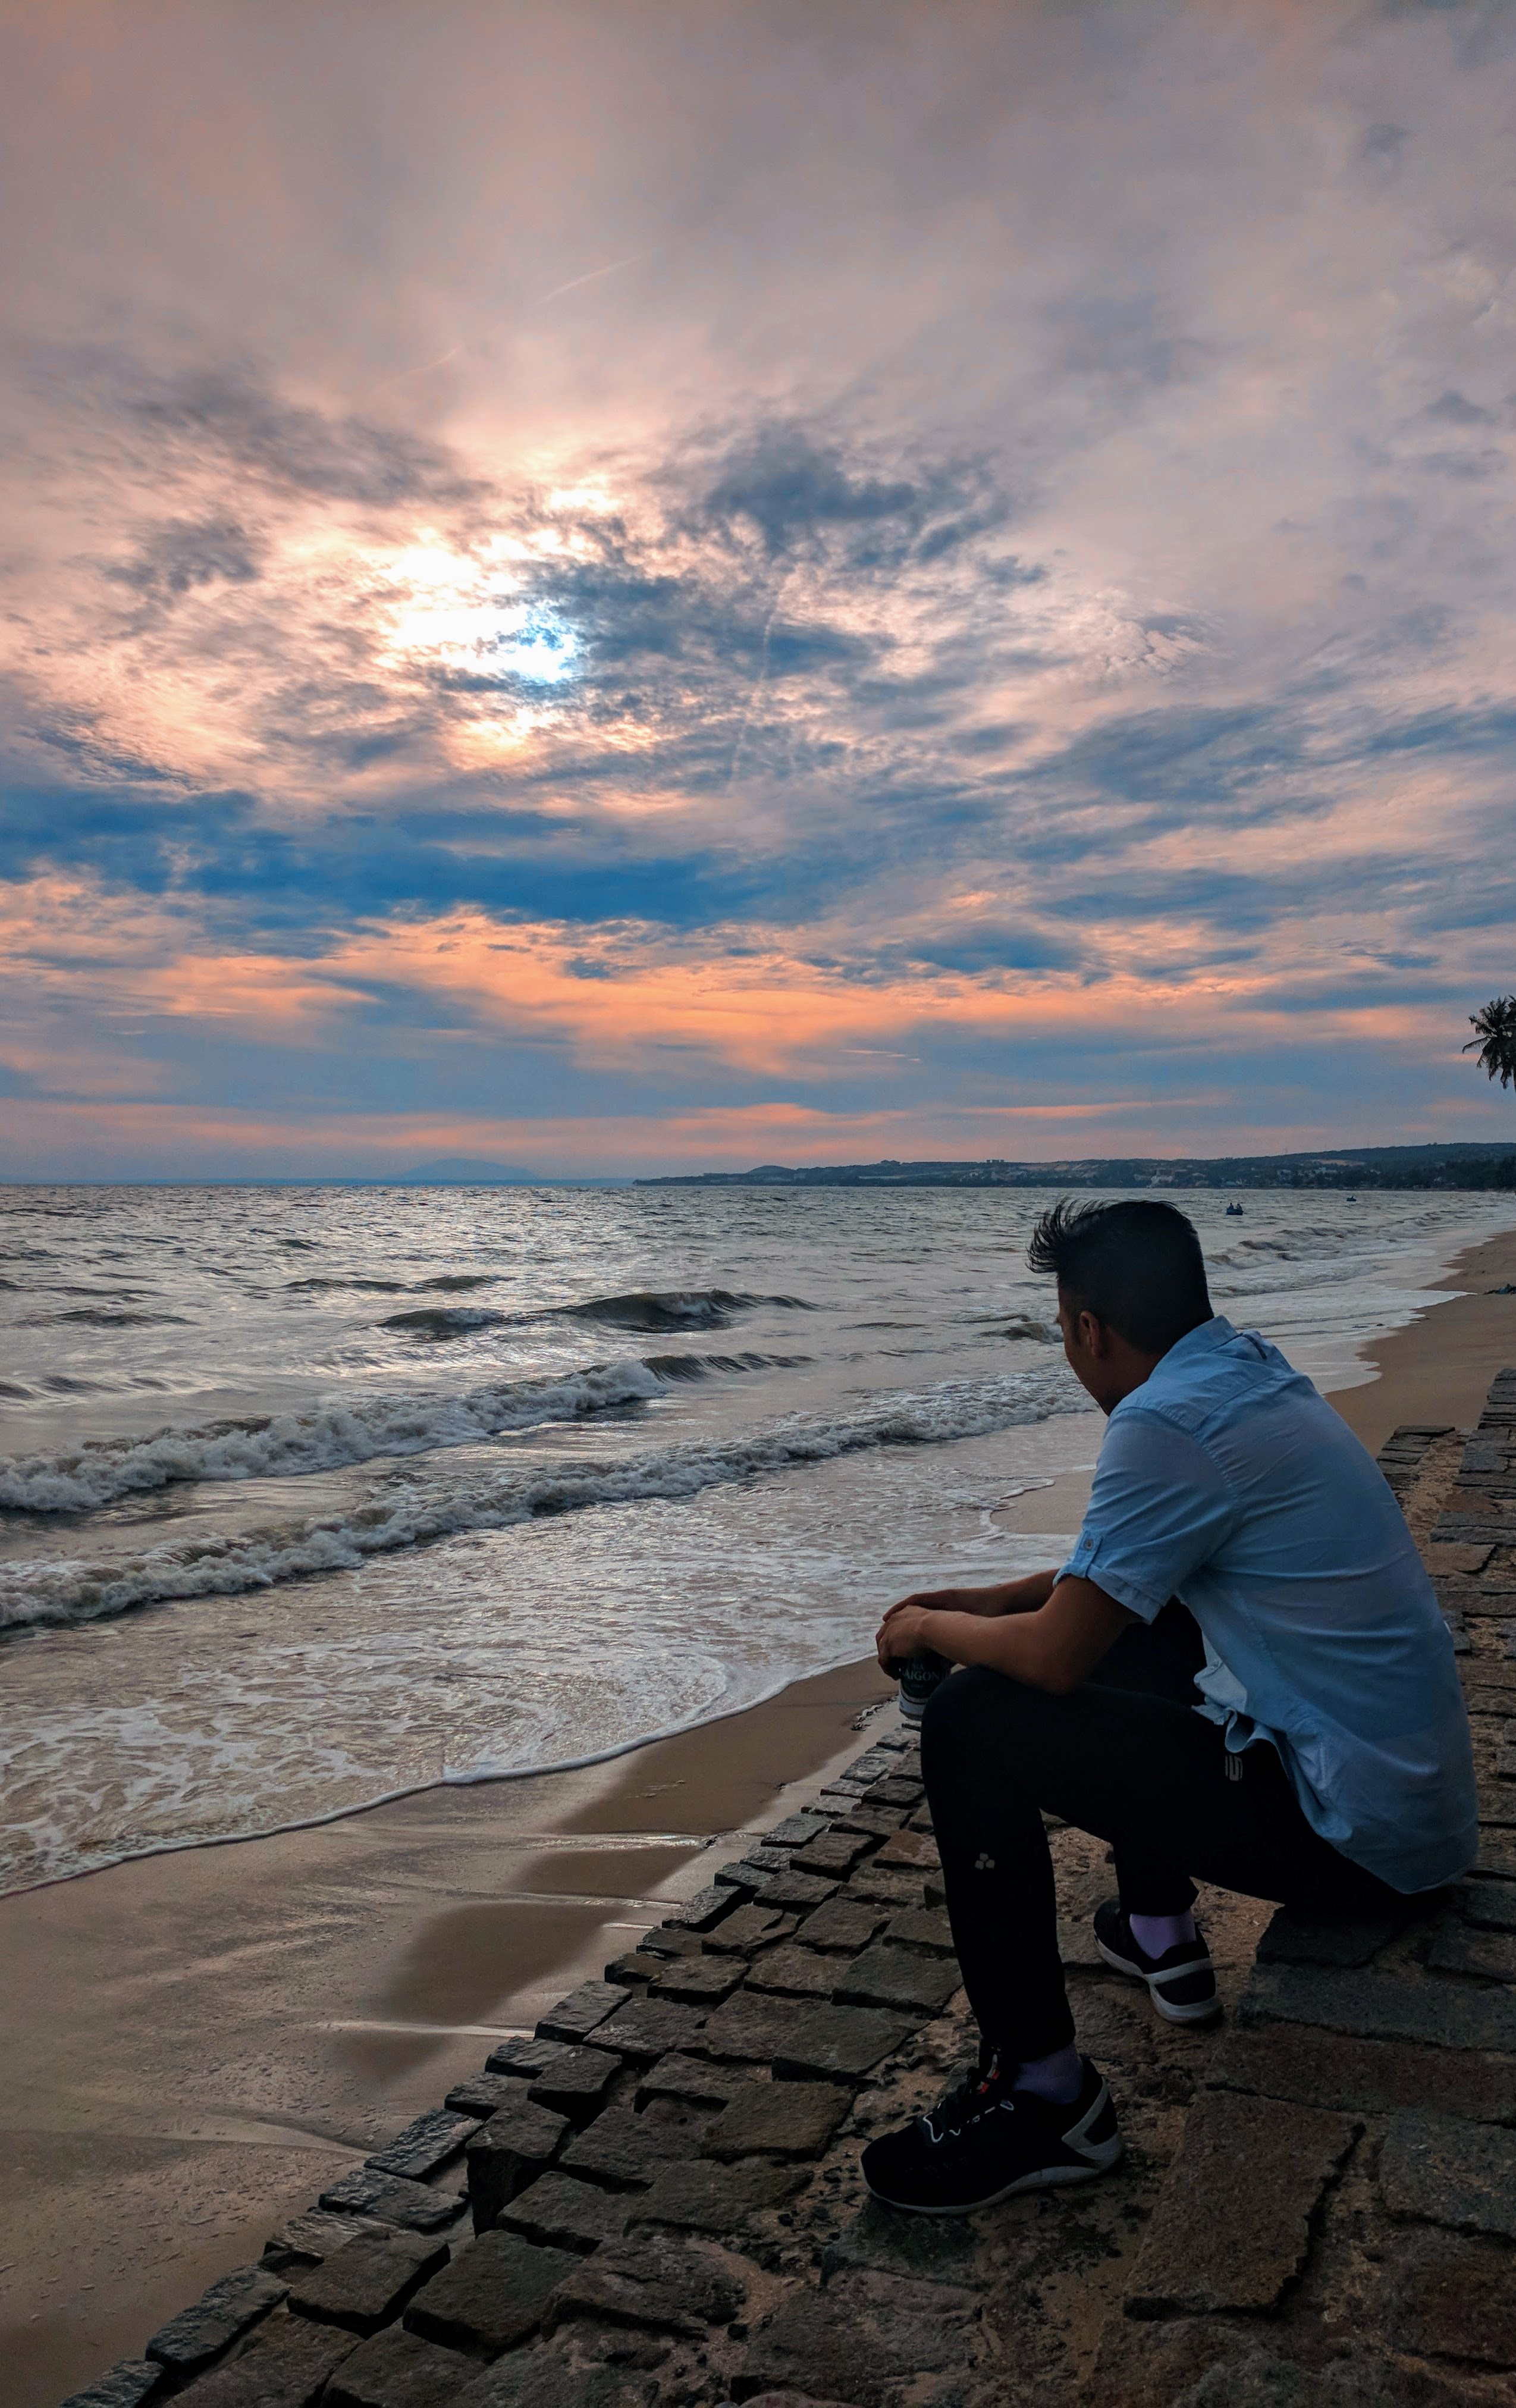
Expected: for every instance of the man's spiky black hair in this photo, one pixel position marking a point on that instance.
(1135, 1265)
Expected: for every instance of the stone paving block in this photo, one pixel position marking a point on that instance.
(714, 2199)
(577, 2084)
(127, 2385)
(921, 1926)
(305, 2240)
(366, 2284)
(1376, 2006)
(1338, 1940)
(625, 2150)
(1497, 1854)
(575, 2017)
(645, 2028)
(507, 2153)
(398, 2370)
(542, 2378)
(673, 1940)
(1491, 1905)
(699, 1981)
(796, 1893)
(844, 1926)
(635, 1968)
(835, 1852)
(1444, 2296)
(895, 1789)
(481, 2094)
(662, 2285)
(751, 1928)
(694, 2078)
(1078, 1951)
(425, 2146)
(794, 1973)
(229, 2309)
(1365, 2077)
(737, 1881)
(875, 1822)
(798, 1830)
(566, 2213)
(1440, 2169)
(858, 2340)
(1460, 1949)
(898, 1979)
(286, 2364)
(1232, 2225)
(777, 2119)
(707, 1908)
(909, 1852)
(528, 2056)
(748, 2028)
(492, 2296)
(926, 2248)
(838, 2044)
(875, 1885)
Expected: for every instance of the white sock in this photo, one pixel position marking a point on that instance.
(1056, 2077)
(1156, 1934)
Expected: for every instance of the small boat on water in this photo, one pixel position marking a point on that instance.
(1233, 1212)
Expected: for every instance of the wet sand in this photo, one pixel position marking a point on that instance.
(198, 2043)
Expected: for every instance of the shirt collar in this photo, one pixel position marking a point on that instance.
(1195, 1343)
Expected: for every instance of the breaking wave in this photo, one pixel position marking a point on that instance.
(410, 1514)
(327, 1436)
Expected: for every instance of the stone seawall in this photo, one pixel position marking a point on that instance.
(655, 2201)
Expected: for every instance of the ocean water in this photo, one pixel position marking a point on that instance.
(311, 1497)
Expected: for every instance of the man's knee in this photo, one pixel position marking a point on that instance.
(972, 1708)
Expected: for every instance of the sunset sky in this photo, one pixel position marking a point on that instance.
(674, 584)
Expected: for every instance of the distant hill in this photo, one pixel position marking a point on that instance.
(1472, 1165)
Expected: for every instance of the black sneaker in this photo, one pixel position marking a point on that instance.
(1181, 1983)
(987, 2141)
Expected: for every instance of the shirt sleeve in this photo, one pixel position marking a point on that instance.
(1160, 1507)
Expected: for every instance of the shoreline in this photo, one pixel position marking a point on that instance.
(353, 1967)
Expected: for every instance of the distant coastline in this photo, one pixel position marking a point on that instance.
(1455, 1167)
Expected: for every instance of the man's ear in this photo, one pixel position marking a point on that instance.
(1094, 1335)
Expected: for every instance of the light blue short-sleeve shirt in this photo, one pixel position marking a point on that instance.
(1226, 1481)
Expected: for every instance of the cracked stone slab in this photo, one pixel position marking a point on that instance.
(798, 1830)
(796, 1972)
(749, 2028)
(1491, 1905)
(876, 1884)
(425, 2146)
(566, 2212)
(874, 1822)
(1232, 2227)
(530, 2057)
(844, 1926)
(285, 2365)
(921, 1926)
(1377, 2006)
(492, 2296)
(542, 2379)
(625, 2151)
(704, 2085)
(398, 2370)
(305, 2240)
(796, 1892)
(714, 2199)
(1343, 1940)
(1365, 2077)
(751, 1928)
(908, 1852)
(575, 2084)
(858, 2340)
(835, 1852)
(698, 1980)
(482, 2095)
(227, 2309)
(369, 2282)
(1459, 1948)
(646, 2029)
(707, 1907)
(840, 2044)
(660, 2284)
(1446, 2296)
(777, 2119)
(899, 1980)
(1440, 2169)
(577, 2016)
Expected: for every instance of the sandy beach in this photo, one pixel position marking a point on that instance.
(197, 2041)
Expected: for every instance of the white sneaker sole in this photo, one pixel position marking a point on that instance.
(1203, 2011)
(1047, 2178)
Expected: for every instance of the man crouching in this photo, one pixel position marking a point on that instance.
(1240, 1675)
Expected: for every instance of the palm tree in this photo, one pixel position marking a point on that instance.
(1495, 1038)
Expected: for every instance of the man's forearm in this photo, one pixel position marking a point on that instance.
(1007, 1597)
(1053, 1646)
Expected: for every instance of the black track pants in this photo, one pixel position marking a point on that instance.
(1126, 1758)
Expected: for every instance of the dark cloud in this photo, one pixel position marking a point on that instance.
(296, 447)
(183, 553)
